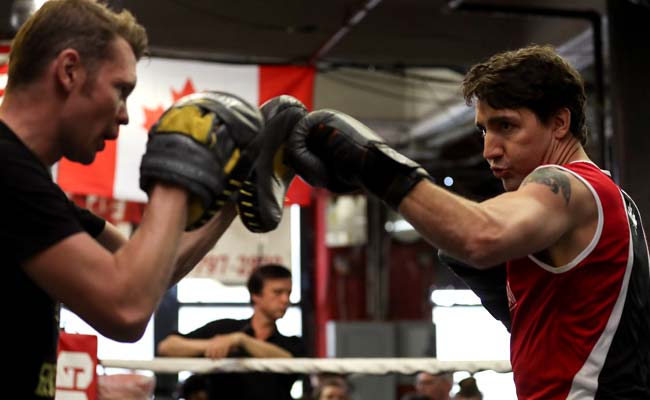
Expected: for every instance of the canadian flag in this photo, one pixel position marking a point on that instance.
(115, 171)
(4, 66)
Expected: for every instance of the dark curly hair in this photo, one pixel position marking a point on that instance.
(534, 77)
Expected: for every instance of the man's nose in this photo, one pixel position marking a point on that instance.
(123, 114)
(492, 148)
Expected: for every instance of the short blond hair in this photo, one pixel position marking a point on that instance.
(84, 25)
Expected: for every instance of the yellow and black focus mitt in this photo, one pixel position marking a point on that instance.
(205, 142)
(261, 198)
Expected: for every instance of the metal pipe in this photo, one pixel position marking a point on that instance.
(333, 40)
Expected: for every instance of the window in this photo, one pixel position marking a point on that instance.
(465, 331)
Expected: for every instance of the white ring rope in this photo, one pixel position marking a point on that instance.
(369, 366)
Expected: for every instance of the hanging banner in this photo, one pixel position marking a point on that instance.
(76, 367)
(115, 172)
(112, 210)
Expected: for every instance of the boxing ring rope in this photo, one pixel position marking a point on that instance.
(368, 366)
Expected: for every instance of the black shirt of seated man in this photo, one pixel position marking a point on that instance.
(253, 385)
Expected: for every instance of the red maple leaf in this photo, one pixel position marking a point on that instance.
(151, 115)
(187, 89)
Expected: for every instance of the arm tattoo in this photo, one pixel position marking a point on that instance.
(556, 181)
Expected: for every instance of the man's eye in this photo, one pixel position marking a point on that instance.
(506, 126)
(124, 90)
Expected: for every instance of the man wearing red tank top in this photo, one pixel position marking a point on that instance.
(577, 279)
(575, 288)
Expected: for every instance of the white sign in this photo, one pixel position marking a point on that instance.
(239, 251)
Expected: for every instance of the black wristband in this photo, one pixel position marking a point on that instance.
(389, 175)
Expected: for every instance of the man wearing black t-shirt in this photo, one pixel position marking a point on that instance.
(269, 286)
(71, 70)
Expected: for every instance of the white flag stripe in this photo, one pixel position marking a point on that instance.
(157, 78)
(4, 59)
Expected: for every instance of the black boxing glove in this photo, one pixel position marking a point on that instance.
(333, 150)
(260, 202)
(204, 143)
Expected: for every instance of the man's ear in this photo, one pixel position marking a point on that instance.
(254, 298)
(68, 69)
(561, 123)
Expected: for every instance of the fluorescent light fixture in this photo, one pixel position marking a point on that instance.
(295, 252)
(454, 297)
(22, 9)
(400, 225)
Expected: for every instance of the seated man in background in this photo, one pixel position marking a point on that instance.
(193, 388)
(269, 286)
(431, 386)
(468, 390)
(330, 386)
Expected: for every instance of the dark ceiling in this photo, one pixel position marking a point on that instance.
(368, 32)
(352, 32)
(364, 34)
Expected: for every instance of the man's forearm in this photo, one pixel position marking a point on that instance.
(194, 245)
(177, 346)
(261, 349)
(111, 238)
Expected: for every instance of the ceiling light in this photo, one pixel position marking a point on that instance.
(21, 10)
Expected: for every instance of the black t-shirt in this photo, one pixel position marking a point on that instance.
(35, 214)
(254, 385)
